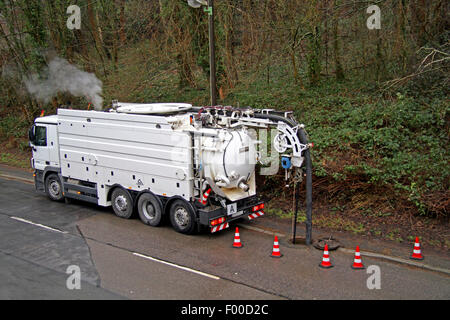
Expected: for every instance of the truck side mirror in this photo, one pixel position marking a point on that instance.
(32, 134)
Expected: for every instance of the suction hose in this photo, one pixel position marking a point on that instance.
(308, 165)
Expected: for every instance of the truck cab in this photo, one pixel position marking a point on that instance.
(43, 137)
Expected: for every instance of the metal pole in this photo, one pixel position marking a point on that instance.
(212, 53)
(308, 194)
(296, 196)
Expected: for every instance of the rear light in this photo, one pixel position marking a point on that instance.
(216, 222)
(258, 207)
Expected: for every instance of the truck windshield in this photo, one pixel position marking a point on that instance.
(40, 139)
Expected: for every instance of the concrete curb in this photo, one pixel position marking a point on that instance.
(363, 253)
(260, 230)
(398, 260)
(9, 177)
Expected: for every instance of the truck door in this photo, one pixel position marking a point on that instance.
(53, 145)
(38, 142)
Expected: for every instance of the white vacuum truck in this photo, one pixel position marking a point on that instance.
(194, 164)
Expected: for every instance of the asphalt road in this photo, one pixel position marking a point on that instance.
(40, 239)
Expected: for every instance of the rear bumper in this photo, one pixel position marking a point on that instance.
(226, 225)
(243, 210)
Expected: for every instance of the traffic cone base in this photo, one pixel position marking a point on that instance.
(237, 245)
(325, 266)
(358, 268)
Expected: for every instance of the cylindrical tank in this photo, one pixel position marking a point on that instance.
(230, 158)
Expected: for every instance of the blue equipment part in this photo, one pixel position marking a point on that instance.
(286, 162)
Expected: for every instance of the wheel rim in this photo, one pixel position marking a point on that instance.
(54, 188)
(121, 203)
(182, 217)
(148, 210)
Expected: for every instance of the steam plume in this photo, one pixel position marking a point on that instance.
(61, 76)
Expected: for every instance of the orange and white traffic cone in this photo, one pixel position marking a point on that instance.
(205, 196)
(417, 253)
(276, 249)
(357, 263)
(326, 259)
(237, 239)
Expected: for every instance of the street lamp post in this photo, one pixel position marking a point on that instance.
(212, 48)
(212, 53)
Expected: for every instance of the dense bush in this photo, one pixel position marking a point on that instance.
(375, 102)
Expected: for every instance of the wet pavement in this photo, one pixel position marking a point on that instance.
(125, 258)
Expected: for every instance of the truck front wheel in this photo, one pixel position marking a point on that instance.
(53, 187)
(182, 217)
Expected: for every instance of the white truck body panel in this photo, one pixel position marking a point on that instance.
(138, 152)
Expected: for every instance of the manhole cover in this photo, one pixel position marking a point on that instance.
(333, 243)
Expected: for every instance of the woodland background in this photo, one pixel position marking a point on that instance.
(375, 102)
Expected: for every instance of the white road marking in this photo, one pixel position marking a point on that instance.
(37, 224)
(177, 266)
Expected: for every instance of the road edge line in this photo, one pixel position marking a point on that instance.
(37, 224)
(177, 266)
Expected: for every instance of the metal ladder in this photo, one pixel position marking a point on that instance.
(197, 181)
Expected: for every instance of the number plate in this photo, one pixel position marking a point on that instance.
(232, 209)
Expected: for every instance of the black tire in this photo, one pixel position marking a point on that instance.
(149, 209)
(122, 203)
(182, 217)
(54, 187)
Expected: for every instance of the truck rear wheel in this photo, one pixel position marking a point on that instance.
(122, 203)
(182, 217)
(149, 209)
(53, 187)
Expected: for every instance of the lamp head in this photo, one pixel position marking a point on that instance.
(197, 3)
